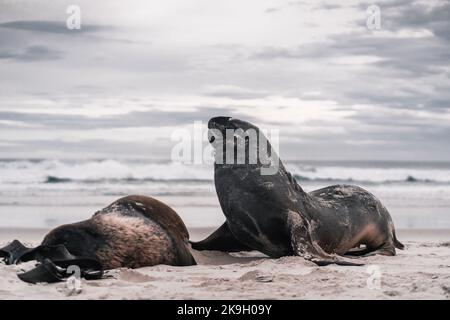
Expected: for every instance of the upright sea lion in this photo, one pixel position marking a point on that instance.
(271, 213)
(133, 232)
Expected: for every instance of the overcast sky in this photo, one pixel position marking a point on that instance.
(136, 70)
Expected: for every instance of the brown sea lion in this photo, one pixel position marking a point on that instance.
(132, 232)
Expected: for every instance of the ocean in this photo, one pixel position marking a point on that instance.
(43, 193)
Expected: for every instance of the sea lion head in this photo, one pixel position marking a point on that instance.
(237, 142)
(81, 239)
(244, 185)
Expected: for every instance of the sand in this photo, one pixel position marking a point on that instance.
(422, 271)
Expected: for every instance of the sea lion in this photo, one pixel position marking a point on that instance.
(132, 232)
(271, 213)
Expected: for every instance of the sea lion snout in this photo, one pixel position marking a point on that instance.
(222, 123)
(218, 122)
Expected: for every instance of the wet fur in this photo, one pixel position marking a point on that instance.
(132, 232)
(150, 243)
(273, 214)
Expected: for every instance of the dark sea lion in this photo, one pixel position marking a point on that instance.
(272, 214)
(132, 232)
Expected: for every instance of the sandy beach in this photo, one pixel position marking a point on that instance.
(419, 211)
(422, 271)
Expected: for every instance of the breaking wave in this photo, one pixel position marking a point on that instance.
(135, 172)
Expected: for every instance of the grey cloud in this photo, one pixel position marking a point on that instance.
(407, 54)
(94, 32)
(284, 6)
(399, 79)
(437, 19)
(405, 121)
(151, 118)
(94, 148)
(385, 4)
(104, 148)
(440, 100)
(400, 14)
(271, 10)
(234, 93)
(48, 26)
(31, 53)
(290, 4)
(328, 6)
(421, 142)
(270, 53)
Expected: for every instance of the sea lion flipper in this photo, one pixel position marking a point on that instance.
(55, 271)
(221, 240)
(13, 252)
(46, 272)
(356, 252)
(184, 256)
(309, 251)
(305, 246)
(335, 260)
(51, 252)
